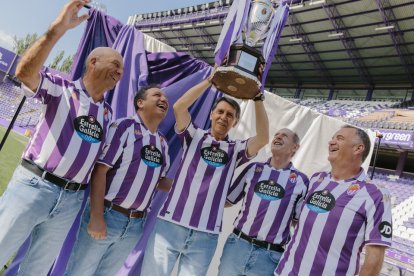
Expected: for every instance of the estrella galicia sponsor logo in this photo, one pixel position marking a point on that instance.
(214, 156)
(321, 202)
(151, 156)
(269, 190)
(88, 128)
(385, 229)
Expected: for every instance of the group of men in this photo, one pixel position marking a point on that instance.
(335, 214)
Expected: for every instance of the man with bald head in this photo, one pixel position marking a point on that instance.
(272, 194)
(47, 188)
(343, 214)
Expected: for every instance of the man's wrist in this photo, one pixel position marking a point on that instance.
(259, 97)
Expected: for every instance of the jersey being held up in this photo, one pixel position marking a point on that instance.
(272, 198)
(337, 220)
(138, 159)
(197, 197)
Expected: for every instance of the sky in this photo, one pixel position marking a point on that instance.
(21, 17)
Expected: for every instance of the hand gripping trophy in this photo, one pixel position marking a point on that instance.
(241, 76)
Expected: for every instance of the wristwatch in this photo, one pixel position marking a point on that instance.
(260, 97)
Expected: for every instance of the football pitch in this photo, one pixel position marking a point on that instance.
(10, 156)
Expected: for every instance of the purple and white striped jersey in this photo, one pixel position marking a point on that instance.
(338, 218)
(71, 131)
(138, 159)
(272, 198)
(201, 183)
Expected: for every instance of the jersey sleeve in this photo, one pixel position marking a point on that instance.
(379, 220)
(186, 136)
(236, 191)
(114, 144)
(301, 198)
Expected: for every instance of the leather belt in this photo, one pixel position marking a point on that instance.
(129, 212)
(59, 181)
(262, 244)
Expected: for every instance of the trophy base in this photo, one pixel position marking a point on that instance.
(235, 82)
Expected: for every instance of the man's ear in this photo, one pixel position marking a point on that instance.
(360, 149)
(295, 149)
(139, 103)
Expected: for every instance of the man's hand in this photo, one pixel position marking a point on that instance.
(68, 17)
(97, 228)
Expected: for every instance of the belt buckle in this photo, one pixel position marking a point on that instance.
(65, 188)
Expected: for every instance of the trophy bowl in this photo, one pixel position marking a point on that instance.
(239, 76)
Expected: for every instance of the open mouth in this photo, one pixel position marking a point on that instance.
(162, 106)
(277, 143)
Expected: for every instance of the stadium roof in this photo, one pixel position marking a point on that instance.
(331, 44)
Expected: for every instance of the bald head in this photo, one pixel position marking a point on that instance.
(102, 52)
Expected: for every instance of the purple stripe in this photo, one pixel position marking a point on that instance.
(131, 172)
(190, 172)
(201, 196)
(306, 233)
(32, 153)
(329, 230)
(258, 220)
(80, 159)
(249, 198)
(283, 210)
(286, 255)
(220, 193)
(372, 191)
(115, 142)
(347, 248)
(173, 188)
(145, 185)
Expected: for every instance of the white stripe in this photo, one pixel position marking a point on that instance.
(121, 172)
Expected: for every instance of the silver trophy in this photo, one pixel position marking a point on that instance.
(239, 76)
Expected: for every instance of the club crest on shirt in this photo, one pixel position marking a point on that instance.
(214, 156)
(321, 201)
(258, 169)
(106, 114)
(353, 189)
(269, 190)
(292, 177)
(88, 128)
(151, 156)
(138, 132)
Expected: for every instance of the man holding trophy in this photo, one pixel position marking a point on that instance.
(188, 225)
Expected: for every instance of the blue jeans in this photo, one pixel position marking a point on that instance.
(104, 257)
(31, 205)
(170, 241)
(240, 257)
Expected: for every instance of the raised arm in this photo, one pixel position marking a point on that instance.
(32, 61)
(97, 225)
(262, 130)
(181, 106)
(374, 256)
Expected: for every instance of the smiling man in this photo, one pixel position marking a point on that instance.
(133, 164)
(272, 194)
(190, 220)
(46, 191)
(343, 213)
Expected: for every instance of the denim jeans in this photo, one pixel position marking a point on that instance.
(240, 257)
(104, 257)
(31, 205)
(170, 241)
